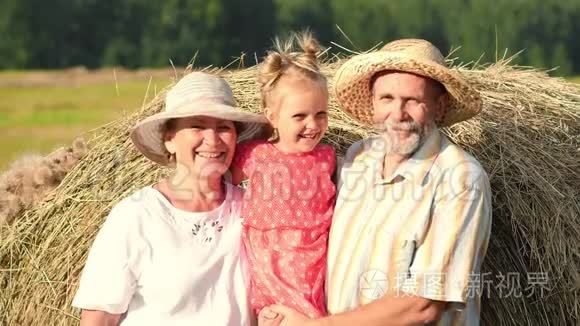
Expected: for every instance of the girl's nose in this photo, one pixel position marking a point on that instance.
(312, 123)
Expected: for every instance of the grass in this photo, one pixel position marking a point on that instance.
(19, 73)
(16, 142)
(575, 79)
(41, 118)
(48, 106)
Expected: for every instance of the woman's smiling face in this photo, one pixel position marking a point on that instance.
(202, 144)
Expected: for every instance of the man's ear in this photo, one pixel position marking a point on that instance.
(442, 104)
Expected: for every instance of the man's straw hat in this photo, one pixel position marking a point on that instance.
(196, 94)
(352, 81)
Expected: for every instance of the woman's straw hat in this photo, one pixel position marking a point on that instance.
(353, 89)
(196, 94)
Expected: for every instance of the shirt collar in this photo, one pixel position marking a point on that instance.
(416, 167)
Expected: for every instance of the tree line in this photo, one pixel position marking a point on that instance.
(137, 33)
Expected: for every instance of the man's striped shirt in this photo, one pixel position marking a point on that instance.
(422, 231)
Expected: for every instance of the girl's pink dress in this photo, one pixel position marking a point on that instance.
(287, 212)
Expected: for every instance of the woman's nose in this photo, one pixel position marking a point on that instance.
(211, 136)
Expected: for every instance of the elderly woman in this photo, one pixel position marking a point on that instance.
(170, 253)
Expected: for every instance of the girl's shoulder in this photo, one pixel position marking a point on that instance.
(325, 152)
(325, 148)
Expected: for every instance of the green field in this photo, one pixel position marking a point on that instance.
(39, 117)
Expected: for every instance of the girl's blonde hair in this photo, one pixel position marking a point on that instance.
(284, 60)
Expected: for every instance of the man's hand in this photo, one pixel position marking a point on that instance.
(405, 311)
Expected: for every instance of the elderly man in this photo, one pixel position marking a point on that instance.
(413, 215)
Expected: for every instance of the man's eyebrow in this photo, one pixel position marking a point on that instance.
(383, 93)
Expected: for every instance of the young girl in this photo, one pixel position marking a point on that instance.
(289, 201)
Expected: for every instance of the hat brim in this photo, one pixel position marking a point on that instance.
(147, 135)
(353, 90)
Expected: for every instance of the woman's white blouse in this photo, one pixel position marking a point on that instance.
(164, 266)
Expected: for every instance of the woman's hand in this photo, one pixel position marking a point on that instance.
(267, 317)
(286, 316)
(99, 318)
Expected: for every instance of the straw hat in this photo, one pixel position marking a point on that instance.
(352, 80)
(196, 94)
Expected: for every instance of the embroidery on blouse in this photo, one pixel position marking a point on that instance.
(206, 232)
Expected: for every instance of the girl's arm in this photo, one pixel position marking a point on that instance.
(99, 318)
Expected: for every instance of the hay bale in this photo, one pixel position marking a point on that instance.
(527, 138)
(32, 176)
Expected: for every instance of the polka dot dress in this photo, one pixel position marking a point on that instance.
(287, 212)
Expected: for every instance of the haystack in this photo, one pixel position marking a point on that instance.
(31, 177)
(527, 138)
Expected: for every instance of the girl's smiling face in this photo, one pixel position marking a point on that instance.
(300, 114)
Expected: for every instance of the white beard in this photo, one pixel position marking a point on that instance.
(394, 145)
